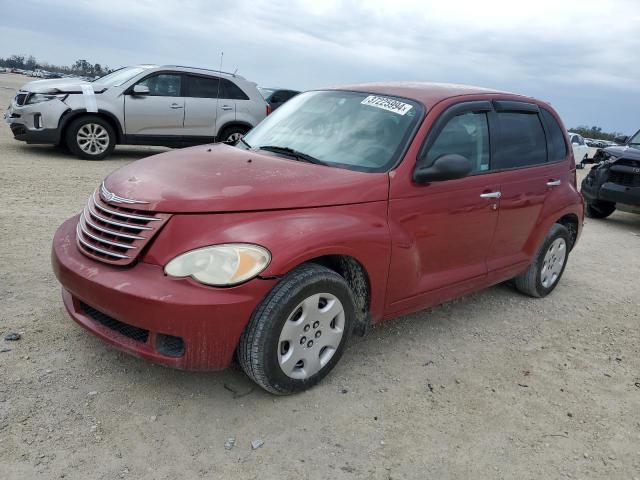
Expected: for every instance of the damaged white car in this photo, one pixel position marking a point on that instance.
(172, 106)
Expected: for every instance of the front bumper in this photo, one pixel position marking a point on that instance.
(36, 123)
(611, 192)
(208, 320)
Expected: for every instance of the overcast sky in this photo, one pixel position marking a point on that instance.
(581, 56)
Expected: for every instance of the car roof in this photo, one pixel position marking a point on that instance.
(206, 71)
(427, 93)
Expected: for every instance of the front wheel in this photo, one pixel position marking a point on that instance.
(599, 209)
(547, 267)
(299, 331)
(90, 137)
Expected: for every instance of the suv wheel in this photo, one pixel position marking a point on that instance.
(90, 137)
(599, 209)
(299, 331)
(547, 267)
(232, 135)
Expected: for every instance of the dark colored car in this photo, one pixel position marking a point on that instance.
(277, 96)
(344, 208)
(614, 182)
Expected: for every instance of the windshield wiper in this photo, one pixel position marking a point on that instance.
(245, 142)
(292, 153)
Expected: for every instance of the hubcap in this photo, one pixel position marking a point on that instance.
(311, 335)
(553, 262)
(93, 138)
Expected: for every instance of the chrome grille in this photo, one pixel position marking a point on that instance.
(115, 234)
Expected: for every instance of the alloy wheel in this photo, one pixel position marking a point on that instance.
(234, 137)
(93, 138)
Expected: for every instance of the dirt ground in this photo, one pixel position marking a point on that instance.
(495, 385)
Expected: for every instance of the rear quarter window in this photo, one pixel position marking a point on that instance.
(555, 141)
(231, 91)
(521, 143)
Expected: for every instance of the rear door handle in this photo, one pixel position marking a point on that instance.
(491, 195)
(226, 107)
(553, 183)
(175, 105)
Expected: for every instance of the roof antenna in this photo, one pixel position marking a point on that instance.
(235, 71)
(215, 121)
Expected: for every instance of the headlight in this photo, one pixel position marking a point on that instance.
(220, 265)
(42, 97)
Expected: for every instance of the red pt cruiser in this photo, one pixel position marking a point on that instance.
(343, 208)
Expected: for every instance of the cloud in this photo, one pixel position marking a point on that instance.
(555, 50)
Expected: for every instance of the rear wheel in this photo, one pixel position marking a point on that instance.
(547, 267)
(599, 209)
(299, 331)
(90, 137)
(233, 134)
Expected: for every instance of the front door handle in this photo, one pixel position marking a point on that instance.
(175, 105)
(553, 183)
(491, 195)
(226, 107)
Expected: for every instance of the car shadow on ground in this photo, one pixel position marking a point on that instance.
(622, 221)
(120, 153)
(436, 324)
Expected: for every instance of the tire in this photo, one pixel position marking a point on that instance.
(599, 209)
(548, 265)
(101, 138)
(285, 326)
(233, 134)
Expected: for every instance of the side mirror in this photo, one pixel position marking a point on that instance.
(621, 139)
(446, 167)
(140, 90)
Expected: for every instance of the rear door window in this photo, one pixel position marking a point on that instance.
(555, 141)
(202, 87)
(521, 143)
(467, 135)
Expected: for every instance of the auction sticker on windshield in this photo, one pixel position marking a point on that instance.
(386, 103)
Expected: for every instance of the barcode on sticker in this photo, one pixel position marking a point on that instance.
(386, 103)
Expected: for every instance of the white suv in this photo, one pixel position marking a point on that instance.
(172, 105)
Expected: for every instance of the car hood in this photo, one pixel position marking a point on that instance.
(221, 178)
(624, 152)
(59, 85)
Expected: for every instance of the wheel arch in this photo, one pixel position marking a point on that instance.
(233, 123)
(356, 275)
(571, 222)
(70, 115)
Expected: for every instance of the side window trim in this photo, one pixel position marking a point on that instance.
(474, 106)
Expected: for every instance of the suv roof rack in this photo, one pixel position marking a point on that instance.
(205, 69)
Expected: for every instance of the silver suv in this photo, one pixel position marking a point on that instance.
(172, 105)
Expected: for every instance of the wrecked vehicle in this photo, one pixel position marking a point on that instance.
(171, 106)
(614, 181)
(343, 208)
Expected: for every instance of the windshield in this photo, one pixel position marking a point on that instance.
(352, 130)
(635, 141)
(117, 78)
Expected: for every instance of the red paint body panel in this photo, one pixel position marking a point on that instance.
(419, 244)
(221, 178)
(209, 320)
